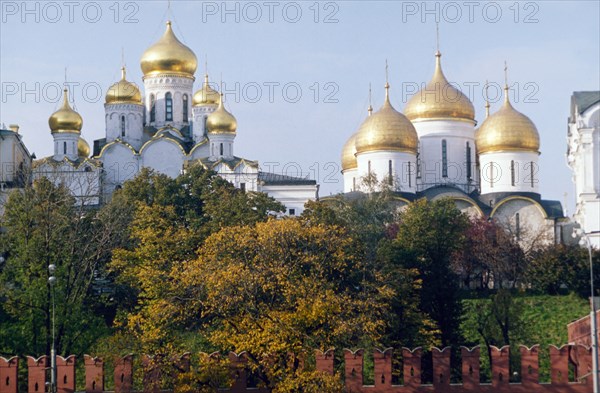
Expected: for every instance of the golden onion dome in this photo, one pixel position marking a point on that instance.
(206, 95)
(386, 129)
(123, 92)
(439, 100)
(65, 119)
(169, 55)
(83, 149)
(221, 121)
(507, 129)
(349, 154)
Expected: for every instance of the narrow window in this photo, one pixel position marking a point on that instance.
(518, 226)
(512, 172)
(292, 212)
(353, 184)
(418, 160)
(122, 125)
(469, 174)
(152, 109)
(390, 177)
(221, 149)
(532, 174)
(409, 175)
(444, 159)
(168, 107)
(243, 187)
(64, 147)
(369, 168)
(185, 108)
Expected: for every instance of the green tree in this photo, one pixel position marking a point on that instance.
(43, 226)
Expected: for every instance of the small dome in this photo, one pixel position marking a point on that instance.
(439, 100)
(123, 92)
(349, 154)
(221, 121)
(206, 95)
(65, 119)
(507, 129)
(83, 149)
(169, 55)
(386, 129)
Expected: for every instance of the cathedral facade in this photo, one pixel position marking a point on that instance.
(435, 149)
(167, 127)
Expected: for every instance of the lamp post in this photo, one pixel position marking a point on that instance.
(585, 241)
(52, 282)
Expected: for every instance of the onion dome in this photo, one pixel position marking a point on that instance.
(65, 119)
(221, 121)
(507, 129)
(123, 92)
(206, 95)
(169, 55)
(439, 100)
(386, 129)
(349, 154)
(83, 149)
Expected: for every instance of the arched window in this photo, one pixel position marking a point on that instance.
(64, 147)
(122, 125)
(444, 159)
(532, 173)
(168, 107)
(469, 174)
(221, 149)
(152, 109)
(512, 172)
(409, 175)
(185, 108)
(369, 168)
(390, 175)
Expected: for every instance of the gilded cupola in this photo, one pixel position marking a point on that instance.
(206, 95)
(169, 56)
(65, 119)
(221, 121)
(123, 92)
(386, 129)
(349, 154)
(439, 100)
(507, 130)
(83, 148)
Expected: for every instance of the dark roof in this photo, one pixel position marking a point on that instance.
(273, 179)
(583, 100)
(235, 161)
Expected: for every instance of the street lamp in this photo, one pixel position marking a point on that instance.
(585, 241)
(52, 281)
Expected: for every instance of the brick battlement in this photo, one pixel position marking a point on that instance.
(578, 356)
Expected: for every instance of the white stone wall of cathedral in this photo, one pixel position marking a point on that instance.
(526, 221)
(292, 197)
(242, 175)
(164, 156)
(133, 117)
(200, 113)
(120, 164)
(83, 182)
(215, 149)
(65, 145)
(403, 168)
(509, 171)
(158, 86)
(455, 169)
(351, 180)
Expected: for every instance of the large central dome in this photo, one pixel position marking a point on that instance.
(169, 55)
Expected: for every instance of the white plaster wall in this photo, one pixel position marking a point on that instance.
(241, 174)
(200, 113)
(214, 146)
(163, 156)
(292, 197)
(496, 172)
(83, 184)
(71, 138)
(134, 123)
(351, 180)
(199, 151)
(457, 134)
(535, 228)
(403, 179)
(120, 164)
(160, 85)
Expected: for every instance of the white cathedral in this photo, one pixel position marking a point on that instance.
(436, 150)
(168, 127)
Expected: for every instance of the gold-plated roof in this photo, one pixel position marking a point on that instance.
(206, 95)
(83, 149)
(221, 121)
(349, 154)
(507, 129)
(169, 55)
(386, 129)
(123, 92)
(65, 119)
(439, 99)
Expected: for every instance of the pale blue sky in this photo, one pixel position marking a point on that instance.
(554, 54)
